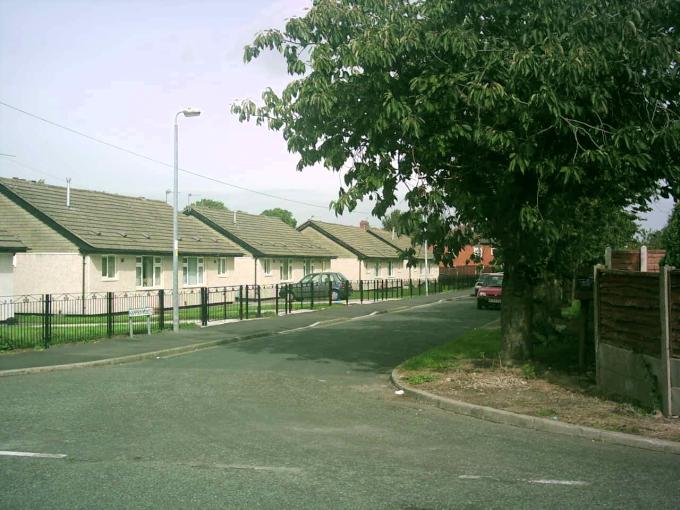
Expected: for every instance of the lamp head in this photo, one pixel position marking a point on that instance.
(191, 112)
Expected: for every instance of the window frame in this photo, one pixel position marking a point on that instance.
(156, 279)
(267, 267)
(288, 265)
(390, 268)
(200, 271)
(222, 267)
(106, 259)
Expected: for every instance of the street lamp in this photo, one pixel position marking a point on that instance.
(187, 112)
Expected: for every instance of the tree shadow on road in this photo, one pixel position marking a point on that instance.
(376, 344)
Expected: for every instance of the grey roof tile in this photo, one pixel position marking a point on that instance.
(401, 242)
(262, 235)
(10, 242)
(356, 239)
(106, 222)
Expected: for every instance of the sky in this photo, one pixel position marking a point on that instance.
(119, 70)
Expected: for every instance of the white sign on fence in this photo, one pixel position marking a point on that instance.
(140, 312)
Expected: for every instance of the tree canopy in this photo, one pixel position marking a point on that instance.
(399, 222)
(671, 238)
(283, 214)
(210, 204)
(504, 115)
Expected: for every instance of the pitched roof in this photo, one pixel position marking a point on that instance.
(261, 235)
(10, 242)
(400, 242)
(355, 239)
(104, 222)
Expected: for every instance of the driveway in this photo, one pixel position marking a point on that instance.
(306, 419)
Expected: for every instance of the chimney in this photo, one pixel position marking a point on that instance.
(68, 192)
(364, 224)
(234, 216)
(393, 234)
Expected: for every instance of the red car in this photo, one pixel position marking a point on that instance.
(491, 292)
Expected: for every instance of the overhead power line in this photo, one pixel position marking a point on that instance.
(163, 163)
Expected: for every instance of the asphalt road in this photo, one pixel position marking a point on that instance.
(300, 420)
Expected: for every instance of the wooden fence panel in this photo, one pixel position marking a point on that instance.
(626, 260)
(654, 258)
(675, 314)
(629, 314)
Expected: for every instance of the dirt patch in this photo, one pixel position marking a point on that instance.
(560, 397)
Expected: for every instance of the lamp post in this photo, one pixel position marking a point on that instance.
(187, 112)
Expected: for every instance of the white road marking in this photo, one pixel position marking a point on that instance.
(31, 454)
(559, 482)
(286, 331)
(361, 317)
(537, 481)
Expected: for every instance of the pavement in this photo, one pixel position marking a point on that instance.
(195, 338)
(306, 419)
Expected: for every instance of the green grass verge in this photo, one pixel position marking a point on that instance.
(572, 311)
(475, 344)
(421, 379)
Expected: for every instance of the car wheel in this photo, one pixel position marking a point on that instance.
(334, 295)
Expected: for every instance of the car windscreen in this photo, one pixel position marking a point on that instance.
(494, 281)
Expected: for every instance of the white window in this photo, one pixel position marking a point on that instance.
(390, 268)
(267, 265)
(193, 270)
(324, 265)
(478, 251)
(309, 267)
(377, 269)
(108, 267)
(148, 271)
(286, 269)
(222, 266)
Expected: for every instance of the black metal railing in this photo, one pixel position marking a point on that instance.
(49, 319)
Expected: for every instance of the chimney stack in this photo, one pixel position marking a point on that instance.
(364, 224)
(68, 192)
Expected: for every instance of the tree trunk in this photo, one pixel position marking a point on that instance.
(516, 317)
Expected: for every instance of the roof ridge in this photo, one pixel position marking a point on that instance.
(55, 186)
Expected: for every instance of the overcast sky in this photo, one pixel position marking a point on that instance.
(120, 70)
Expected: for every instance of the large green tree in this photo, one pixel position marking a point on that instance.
(670, 238)
(210, 204)
(398, 221)
(283, 214)
(502, 115)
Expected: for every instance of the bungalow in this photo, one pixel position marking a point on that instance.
(81, 241)
(359, 254)
(279, 252)
(404, 243)
(9, 246)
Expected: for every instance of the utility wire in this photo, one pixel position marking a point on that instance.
(33, 169)
(163, 163)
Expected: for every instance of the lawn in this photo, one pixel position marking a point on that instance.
(476, 344)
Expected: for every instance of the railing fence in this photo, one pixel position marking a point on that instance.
(50, 319)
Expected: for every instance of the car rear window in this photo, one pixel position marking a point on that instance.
(494, 281)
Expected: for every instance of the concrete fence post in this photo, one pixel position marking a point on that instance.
(596, 320)
(643, 259)
(608, 257)
(665, 373)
